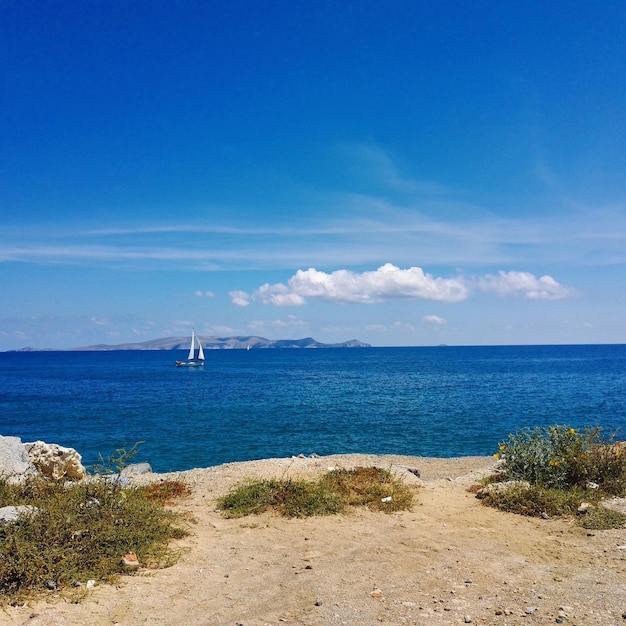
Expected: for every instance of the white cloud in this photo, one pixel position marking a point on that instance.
(279, 295)
(100, 321)
(388, 282)
(204, 294)
(433, 319)
(240, 298)
(533, 288)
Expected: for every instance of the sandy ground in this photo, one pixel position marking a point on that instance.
(450, 560)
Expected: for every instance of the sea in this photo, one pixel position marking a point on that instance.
(442, 401)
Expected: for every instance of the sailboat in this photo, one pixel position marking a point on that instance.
(193, 359)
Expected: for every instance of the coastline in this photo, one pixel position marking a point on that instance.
(450, 560)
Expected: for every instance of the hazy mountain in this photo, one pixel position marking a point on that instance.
(224, 343)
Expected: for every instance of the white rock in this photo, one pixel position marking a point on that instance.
(10, 514)
(502, 487)
(14, 461)
(54, 461)
(137, 469)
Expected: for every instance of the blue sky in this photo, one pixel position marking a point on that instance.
(402, 172)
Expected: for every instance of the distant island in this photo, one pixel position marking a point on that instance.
(216, 343)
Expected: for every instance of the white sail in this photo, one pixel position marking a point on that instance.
(200, 351)
(192, 348)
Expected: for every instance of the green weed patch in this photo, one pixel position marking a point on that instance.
(333, 493)
(79, 532)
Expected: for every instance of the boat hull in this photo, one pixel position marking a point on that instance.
(189, 363)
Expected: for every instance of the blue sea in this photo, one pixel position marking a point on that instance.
(244, 405)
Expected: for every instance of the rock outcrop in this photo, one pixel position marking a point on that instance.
(54, 461)
(14, 460)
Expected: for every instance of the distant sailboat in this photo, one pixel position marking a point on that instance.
(193, 360)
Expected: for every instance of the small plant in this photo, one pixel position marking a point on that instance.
(166, 492)
(600, 518)
(116, 461)
(333, 493)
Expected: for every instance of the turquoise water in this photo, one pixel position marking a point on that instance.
(243, 405)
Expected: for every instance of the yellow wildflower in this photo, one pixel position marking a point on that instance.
(572, 431)
(497, 455)
(501, 447)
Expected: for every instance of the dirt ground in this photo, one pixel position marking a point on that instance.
(450, 560)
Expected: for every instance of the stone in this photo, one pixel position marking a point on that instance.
(412, 470)
(584, 507)
(54, 461)
(502, 487)
(137, 469)
(9, 514)
(129, 561)
(14, 461)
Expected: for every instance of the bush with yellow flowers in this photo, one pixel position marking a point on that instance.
(564, 457)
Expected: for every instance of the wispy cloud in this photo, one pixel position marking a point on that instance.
(433, 319)
(260, 326)
(397, 217)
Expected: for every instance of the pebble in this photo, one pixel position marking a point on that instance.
(319, 602)
(468, 619)
(530, 610)
(51, 584)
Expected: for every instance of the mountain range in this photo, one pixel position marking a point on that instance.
(223, 343)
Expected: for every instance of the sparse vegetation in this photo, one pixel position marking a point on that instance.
(116, 461)
(333, 493)
(564, 468)
(80, 531)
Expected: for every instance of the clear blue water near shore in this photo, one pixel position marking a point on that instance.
(244, 405)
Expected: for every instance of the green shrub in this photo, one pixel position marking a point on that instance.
(537, 501)
(333, 493)
(563, 457)
(77, 532)
(564, 468)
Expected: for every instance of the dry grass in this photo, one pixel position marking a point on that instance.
(334, 492)
(81, 531)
